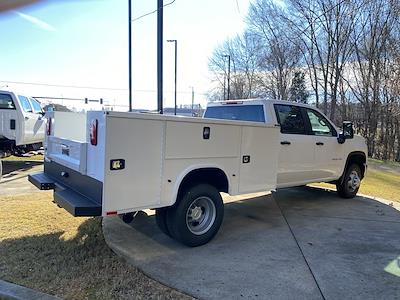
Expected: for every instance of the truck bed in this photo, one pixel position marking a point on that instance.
(140, 160)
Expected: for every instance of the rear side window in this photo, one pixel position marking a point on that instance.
(26, 106)
(252, 113)
(6, 102)
(290, 118)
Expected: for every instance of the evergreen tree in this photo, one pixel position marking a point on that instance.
(298, 91)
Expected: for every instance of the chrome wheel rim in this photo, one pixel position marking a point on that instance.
(200, 215)
(354, 181)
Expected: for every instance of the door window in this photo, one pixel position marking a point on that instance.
(6, 102)
(290, 118)
(36, 106)
(319, 124)
(26, 106)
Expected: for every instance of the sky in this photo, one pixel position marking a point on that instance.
(85, 43)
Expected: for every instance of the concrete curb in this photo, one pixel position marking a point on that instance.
(12, 291)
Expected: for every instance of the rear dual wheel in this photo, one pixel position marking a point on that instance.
(196, 217)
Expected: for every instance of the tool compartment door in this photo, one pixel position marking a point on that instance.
(135, 146)
(259, 159)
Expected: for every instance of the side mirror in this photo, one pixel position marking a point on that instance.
(348, 132)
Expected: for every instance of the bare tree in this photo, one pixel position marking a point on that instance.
(242, 51)
(279, 55)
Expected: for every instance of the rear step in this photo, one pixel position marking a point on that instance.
(77, 204)
(42, 181)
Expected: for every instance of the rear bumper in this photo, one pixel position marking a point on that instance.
(80, 195)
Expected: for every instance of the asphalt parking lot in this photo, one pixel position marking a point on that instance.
(303, 243)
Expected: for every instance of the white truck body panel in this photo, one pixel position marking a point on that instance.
(159, 151)
(165, 149)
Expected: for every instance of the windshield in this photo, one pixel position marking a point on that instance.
(253, 113)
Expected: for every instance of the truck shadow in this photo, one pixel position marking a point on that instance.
(263, 213)
(12, 168)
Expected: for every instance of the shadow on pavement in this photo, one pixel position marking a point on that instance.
(299, 242)
(12, 168)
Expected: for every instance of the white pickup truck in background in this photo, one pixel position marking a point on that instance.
(21, 124)
(116, 163)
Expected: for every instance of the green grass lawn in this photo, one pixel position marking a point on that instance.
(378, 182)
(34, 157)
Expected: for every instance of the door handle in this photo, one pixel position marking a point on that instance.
(285, 143)
(319, 143)
(26, 118)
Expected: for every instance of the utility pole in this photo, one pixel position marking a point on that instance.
(229, 75)
(130, 52)
(160, 7)
(176, 58)
(192, 99)
(224, 87)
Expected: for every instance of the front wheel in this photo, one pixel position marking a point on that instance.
(197, 216)
(351, 182)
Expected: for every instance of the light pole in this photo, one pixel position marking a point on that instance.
(176, 59)
(160, 7)
(229, 75)
(130, 52)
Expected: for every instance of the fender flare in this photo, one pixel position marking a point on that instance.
(190, 169)
(349, 156)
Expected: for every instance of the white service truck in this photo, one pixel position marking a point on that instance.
(116, 163)
(21, 124)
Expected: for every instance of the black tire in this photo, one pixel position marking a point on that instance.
(197, 215)
(161, 220)
(127, 218)
(350, 184)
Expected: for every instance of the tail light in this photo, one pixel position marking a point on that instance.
(93, 132)
(48, 126)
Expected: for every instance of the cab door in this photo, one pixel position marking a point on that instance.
(328, 152)
(296, 164)
(31, 124)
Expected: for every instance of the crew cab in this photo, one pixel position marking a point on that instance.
(116, 163)
(312, 148)
(21, 123)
